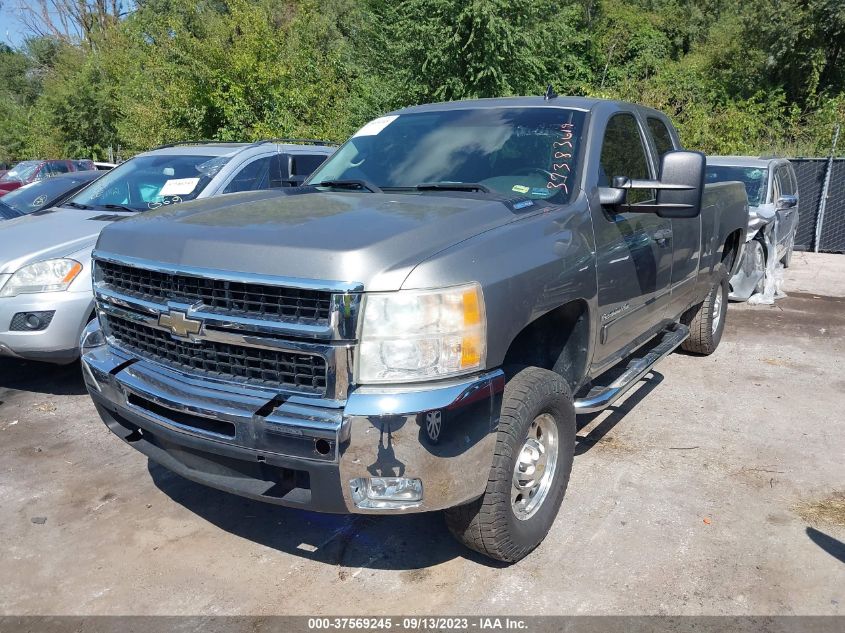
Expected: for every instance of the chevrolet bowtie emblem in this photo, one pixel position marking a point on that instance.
(179, 323)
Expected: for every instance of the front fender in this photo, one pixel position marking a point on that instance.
(526, 268)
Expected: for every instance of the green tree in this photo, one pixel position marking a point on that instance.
(454, 49)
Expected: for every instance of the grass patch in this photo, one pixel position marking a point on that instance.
(829, 510)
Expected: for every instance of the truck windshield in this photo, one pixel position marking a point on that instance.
(754, 179)
(148, 182)
(520, 152)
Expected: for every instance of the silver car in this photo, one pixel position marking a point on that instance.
(772, 190)
(45, 259)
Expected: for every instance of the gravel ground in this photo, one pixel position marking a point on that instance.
(714, 488)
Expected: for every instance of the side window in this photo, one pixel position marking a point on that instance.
(660, 134)
(305, 164)
(786, 187)
(251, 177)
(773, 174)
(58, 167)
(623, 154)
(279, 171)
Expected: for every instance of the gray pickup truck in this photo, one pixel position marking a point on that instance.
(418, 326)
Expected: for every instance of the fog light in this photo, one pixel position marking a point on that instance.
(386, 492)
(31, 321)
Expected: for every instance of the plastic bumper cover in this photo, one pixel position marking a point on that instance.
(59, 341)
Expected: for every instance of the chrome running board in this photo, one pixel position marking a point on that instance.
(602, 396)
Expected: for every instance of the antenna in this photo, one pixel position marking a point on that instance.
(550, 93)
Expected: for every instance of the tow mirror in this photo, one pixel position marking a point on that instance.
(679, 189)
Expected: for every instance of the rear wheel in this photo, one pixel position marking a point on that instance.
(535, 447)
(706, 321)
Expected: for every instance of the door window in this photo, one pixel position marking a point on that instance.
(279, 171)
(784, 182)
(254, 175)
(623, 154)
(305, 164)
(660, 133)
(58, 167)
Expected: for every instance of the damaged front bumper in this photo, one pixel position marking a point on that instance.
(386, 449)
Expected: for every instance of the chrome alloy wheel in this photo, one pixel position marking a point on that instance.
(717, 307)
(535, 465)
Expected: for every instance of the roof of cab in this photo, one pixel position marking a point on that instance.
(576, 103)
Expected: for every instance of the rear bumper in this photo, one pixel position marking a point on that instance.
(301, 451)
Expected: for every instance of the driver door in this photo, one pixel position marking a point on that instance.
(634, 249)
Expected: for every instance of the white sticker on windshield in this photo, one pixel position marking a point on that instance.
(178, 186)
(376, 125)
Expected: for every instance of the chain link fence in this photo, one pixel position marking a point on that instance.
(811, 173)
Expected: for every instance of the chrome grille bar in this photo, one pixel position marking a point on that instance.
(307, 356)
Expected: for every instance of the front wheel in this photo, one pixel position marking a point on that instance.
(535, 448)
(706, 321)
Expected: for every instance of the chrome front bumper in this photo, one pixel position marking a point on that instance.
(296, 450)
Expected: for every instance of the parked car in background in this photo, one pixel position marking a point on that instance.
(29, 171)
(45, 258)
(43, 194)
(772, 190)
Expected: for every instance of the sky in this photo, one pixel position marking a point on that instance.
(12, 30)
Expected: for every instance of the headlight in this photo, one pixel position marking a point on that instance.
(47, 276)
(413, 335)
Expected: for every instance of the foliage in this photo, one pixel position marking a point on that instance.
(762, 76)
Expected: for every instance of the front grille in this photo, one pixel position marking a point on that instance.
(231, 297)
(274, 368)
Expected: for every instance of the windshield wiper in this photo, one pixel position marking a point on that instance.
(348, 184)
(76, 205)
(452, 186)
(118, 207)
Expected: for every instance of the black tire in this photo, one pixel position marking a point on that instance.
(489, 524)
(703, 339)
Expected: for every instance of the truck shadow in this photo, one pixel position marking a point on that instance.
(46, 378)
(350, 542)
(617, 413)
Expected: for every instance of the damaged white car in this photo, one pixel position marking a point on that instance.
(772, 190)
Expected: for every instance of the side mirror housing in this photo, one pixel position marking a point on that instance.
(679, 190)
(787, 202)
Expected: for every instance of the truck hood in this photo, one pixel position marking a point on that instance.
(372, 239)
(51, 233)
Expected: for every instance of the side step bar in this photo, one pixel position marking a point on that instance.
(602, 396)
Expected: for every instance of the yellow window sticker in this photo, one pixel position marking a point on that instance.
(520, 188)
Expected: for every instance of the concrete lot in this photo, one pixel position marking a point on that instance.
(715, 488)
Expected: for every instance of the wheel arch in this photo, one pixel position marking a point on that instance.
(559, 341)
